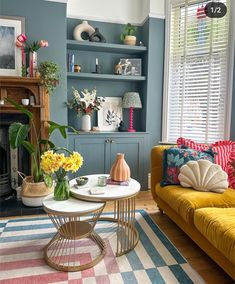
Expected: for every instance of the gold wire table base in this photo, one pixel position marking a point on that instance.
(65, 251)
(60, 253)
(124, 215)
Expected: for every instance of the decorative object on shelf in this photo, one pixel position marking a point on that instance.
(128, 36)
(37, 74)
(58, 165)
(131, 66)
(97, 36)
(49, 74)
(32, 100)
(31, 49)
(70, 62)
(120, 171)
(102, 181)
(77, 68)
(10, 56)
(118, 69)
(19, 136)
(2, 102)
(111, 114)
(131, 100)
(25, 102)
(85, 105)
(141, 43)
(122, 127)
(83, 30)
(98, 67)
(86, 123)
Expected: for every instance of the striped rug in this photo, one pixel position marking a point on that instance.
(154, 260)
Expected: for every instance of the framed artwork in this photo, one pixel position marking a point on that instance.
(110, 115)
(10, 55)
(131, 66)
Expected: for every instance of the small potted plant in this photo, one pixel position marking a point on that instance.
(49, 74)
(128, 36)
(39, 185)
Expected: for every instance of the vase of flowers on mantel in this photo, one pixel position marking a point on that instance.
(85, 105)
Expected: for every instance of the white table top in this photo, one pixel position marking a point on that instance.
(70, 206)
(111, 192)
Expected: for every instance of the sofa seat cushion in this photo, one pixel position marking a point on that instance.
(186, 200)
(218, 226)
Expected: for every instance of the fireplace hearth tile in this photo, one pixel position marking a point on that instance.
(14, 207)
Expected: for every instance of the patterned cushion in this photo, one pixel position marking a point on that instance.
(175, 158)
(225, 154)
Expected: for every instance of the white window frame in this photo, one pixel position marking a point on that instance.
(231, 53)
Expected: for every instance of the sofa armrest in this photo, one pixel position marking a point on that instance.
(156, 166)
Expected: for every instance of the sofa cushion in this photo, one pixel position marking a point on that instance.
(186, 200)
(225, 154)
(175, 158)
(218, 226)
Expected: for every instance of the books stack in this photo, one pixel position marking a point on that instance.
(113, 182)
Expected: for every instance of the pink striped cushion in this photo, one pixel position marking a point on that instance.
(225, 154)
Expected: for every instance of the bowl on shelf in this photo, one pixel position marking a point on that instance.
(81, 181)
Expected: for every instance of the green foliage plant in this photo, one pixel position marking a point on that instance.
(19, 135)
(128, 30)
(49, 74)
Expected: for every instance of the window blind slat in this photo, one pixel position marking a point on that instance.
(197, 88)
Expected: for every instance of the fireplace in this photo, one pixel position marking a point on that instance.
(12, 160)
(17, 160)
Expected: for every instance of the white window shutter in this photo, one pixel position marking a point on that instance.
(197, 87)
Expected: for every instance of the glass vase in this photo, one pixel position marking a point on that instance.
(61, 191)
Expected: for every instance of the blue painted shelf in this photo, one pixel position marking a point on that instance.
(104, 77)
(105, 47)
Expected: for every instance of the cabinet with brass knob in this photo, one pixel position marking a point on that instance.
(99, 152)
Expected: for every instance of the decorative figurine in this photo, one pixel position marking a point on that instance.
(97, 36)
(118, 69)
(83, 28)
(122, 127)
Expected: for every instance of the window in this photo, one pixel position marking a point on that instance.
(198, 81)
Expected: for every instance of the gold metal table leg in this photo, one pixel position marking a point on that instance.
(63, 252)
(124, 215)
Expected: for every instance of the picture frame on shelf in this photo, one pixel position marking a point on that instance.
(110, 115)
(131, 66)
(10, 55)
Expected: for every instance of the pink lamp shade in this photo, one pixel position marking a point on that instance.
(131, 100)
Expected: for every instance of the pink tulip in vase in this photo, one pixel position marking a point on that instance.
(31, 49)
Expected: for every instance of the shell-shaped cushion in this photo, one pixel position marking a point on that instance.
(203, 175)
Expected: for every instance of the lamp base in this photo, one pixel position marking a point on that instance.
(131, 130)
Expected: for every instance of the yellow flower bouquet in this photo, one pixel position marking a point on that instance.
(58, 164)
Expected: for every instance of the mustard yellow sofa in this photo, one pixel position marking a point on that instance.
(207, 218)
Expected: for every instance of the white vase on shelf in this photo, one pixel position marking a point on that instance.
(86, 123)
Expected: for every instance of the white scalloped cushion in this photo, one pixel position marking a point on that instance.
(203, 175)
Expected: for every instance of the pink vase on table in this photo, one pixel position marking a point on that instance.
(120, 171)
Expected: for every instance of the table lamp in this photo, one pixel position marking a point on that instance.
(131, 100)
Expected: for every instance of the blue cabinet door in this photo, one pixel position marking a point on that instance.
(94, 152)
(133, 148)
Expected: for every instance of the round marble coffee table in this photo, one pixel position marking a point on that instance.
(63, 252)
(123, 198)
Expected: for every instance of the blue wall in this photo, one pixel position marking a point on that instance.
(46, 20)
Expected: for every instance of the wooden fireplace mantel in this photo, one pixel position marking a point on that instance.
(18, 88)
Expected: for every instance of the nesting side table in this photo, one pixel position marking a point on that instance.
(123, 198)
(62, 252)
